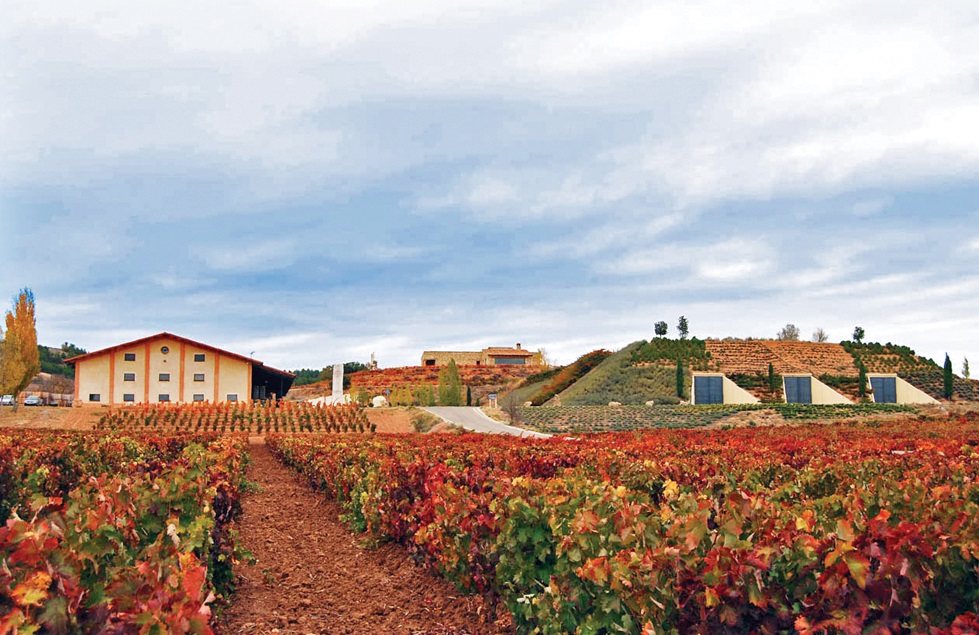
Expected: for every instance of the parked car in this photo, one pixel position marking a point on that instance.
(7, 400)
(33, 400)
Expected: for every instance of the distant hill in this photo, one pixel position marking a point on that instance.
(53, 359)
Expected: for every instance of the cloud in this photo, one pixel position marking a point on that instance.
(253, 257)
(398, 176)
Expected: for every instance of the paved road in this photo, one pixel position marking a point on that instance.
(474, 419)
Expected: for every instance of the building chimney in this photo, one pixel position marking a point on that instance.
(518, 346)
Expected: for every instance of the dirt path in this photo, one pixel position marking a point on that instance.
(312, 576)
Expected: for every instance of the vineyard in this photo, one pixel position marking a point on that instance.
(843, 528)
(117, 534)
(753, 356)
(575, 419)
(253, 418)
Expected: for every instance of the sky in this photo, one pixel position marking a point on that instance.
(313, 182)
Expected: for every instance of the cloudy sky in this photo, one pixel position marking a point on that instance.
(316, 181)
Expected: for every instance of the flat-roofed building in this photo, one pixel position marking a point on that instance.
(493, 356)
(168, 368)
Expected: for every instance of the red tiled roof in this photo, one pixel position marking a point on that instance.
(171, 336)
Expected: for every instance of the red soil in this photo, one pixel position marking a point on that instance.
(313, 576)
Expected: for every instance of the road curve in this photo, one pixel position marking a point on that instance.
(474, 419)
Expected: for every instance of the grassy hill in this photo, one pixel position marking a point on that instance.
(634, 375)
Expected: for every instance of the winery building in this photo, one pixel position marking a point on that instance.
(494, 356)
(168, 368)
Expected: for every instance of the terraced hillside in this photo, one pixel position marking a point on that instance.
(733, 357)
(481, 379)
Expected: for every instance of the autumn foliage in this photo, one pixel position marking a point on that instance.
(19, 357)
(829, 529)
(116, 534)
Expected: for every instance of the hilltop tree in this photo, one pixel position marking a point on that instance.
(683, 327)
(20, 360)
(965, 367)
(858, 334)
(789, 332)
(660, 328)
(948, 378)
(819, 335)
(450, 386)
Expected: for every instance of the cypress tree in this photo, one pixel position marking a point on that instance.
(948, 378)
(863, 381)
(679, 379)
(772, 387)
(469, 396)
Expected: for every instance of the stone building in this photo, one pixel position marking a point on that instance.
(494, 356)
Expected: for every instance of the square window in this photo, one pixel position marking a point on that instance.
(129, 397)
(163, 397)
(198, 357)
(198, 376)
(199, 397)
(130, 357)
(233, 397)
(94, 396)
(164, 376)
(129, 376)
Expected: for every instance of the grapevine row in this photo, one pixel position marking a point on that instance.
(254, 418)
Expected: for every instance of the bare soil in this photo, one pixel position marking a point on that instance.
(50, 417)
(312, 575)
(396, 420)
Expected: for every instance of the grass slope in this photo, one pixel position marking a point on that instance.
(618, 379)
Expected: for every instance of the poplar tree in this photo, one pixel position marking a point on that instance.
(20, 360)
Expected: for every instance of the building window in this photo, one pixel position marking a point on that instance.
(429, 362)
(199, 396)
(129, 376)
(198, 376)
(130, 357)
(233, 397)
(164, 349)
(94, 396)
(130, 397)
(510, 361)
(164, 376)
(163, 397)
(198, 357)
